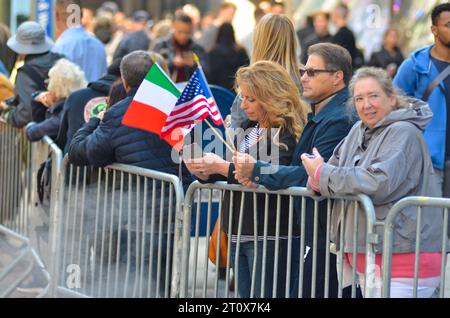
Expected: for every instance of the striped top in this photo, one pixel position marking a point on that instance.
(259, 238)
(248, 141)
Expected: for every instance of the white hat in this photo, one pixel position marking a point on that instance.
(30, 39)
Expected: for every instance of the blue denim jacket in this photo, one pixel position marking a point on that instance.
(323, 131)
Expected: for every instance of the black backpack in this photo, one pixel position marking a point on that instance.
(44, 176)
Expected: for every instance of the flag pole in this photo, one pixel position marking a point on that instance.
(231, 148)
(218, 135)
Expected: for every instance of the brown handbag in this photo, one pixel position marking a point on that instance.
(223, 248)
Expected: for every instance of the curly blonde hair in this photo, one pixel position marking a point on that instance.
(270, 84)
(65, 78)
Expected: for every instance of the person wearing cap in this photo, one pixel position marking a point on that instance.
(110, 7)
(33, 46)
(139, 38)
(76, 44)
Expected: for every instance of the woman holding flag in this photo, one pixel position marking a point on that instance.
(276, 117)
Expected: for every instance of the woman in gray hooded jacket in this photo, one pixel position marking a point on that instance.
(385, 157)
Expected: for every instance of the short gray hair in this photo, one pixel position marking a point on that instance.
(135, 66)
(385, 81)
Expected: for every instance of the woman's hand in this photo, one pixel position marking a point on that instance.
(46, 98)
(311, 163)
(194, 166)
(244, 165)
(207, 165)
(213, 164)
(245, 182)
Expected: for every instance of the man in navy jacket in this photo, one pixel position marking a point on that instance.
(103, 142)
(324, 78)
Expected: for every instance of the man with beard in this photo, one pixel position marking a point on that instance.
(179, 48)
(426, 75)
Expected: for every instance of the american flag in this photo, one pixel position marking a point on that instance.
(194, 105)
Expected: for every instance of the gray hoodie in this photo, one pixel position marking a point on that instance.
(387, 163)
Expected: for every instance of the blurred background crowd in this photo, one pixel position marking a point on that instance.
(393, 27)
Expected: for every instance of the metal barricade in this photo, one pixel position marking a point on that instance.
(47, 163)
(22, 273)
(20, 209)
(118, 231)
(15, 181)
(201, 278)
(390, 227)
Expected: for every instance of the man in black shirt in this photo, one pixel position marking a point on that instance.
(320, 34)
(344, 36)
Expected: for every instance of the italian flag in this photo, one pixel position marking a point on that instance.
(152, 105)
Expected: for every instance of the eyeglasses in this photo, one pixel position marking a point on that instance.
(445, 25)
(313, 71)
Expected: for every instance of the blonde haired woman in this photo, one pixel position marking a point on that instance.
(275, 40)
(276, 117)
(65, 77)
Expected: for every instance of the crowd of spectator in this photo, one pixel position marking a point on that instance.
(343, 128)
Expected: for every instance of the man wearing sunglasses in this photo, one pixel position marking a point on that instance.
(324, 79)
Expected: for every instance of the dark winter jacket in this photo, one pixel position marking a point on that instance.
(72, 118)
(100, 143)
(223, 65)
(383, 58)
(168, 49)
(46, 120)
(133, 42)
(345, 38)
(20, 115)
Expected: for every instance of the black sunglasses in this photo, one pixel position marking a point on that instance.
(313, 71)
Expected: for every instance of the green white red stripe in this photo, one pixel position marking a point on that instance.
(153, 103)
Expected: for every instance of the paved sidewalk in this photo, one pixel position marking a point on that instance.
(212, 273)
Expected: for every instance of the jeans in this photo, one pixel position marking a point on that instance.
(247, 257)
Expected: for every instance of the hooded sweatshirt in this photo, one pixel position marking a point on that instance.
(73, 113)
(388, 162)
(413, 77)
